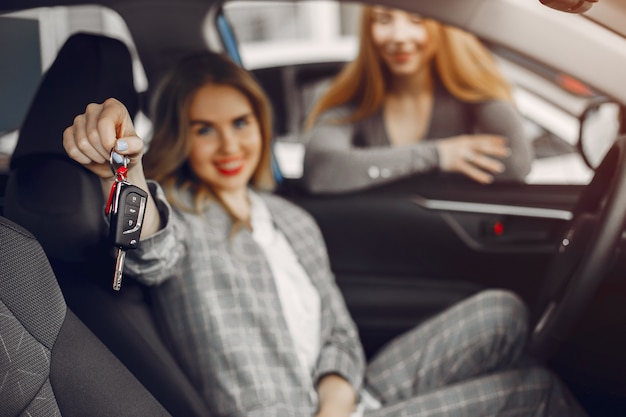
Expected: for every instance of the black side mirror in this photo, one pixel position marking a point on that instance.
(570, 6)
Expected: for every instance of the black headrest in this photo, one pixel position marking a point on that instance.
(88, 68)
(55, 198)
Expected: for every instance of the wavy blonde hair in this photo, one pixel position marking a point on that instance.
(465, 66)
(166, 160)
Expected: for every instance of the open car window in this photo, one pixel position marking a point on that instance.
(295, 48)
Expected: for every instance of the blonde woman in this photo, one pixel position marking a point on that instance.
(243, 289)
(419, 97)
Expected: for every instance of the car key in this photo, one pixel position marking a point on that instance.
(126, 208)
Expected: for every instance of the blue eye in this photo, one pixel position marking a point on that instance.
(241, 123)
(204, 130)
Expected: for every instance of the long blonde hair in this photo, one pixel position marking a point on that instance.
(166, 160)
(464, 65)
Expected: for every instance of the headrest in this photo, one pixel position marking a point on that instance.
(88, 68)
(55, 198)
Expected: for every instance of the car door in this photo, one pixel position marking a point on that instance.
(402, 252)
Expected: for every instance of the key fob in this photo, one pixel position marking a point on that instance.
(127, 212)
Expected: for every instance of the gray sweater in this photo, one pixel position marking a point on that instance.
(353, 156)
(216, 300)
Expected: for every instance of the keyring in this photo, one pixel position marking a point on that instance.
(115, 166)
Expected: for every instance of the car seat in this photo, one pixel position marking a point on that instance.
(61, 203)
(51, 364)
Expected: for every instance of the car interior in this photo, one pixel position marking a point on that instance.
(62, 204)
(392, 273)
(54, 364)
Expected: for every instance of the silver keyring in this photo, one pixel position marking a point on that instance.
(114, 166)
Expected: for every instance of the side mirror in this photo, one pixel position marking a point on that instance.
(570, 6)
(599, 127)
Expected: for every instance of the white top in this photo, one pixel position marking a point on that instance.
(299, 299)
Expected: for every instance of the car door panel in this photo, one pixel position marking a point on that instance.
(400, 257)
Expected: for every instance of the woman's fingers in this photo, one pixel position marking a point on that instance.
(490, 145)
(84, 139)
(89, 142)
(95, 133)
(476, 173)
(83, 154)
(111, 123)
(484, 162)
(70, 141)
(474, 156)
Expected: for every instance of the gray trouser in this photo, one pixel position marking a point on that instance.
(467, 361)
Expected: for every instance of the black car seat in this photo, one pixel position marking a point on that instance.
(50, 363)
(61, 203)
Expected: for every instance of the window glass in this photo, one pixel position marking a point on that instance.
(275, 33)
(18, 80)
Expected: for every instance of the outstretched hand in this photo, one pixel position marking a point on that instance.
(103, 127)
(92, 136)
(474, 156)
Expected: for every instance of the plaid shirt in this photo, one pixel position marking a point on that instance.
(220, 311)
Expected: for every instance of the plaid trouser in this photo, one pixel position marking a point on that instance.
(467, 362)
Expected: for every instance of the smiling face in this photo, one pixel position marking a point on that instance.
(401, 40)
(225, 139)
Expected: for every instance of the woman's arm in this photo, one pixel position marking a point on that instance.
(341, 352)
(160, 256)
(89, 141)
(332, 163)
(337, 398)
(502, 118)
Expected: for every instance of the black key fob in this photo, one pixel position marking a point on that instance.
(127, 212)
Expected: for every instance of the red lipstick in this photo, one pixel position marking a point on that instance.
(230, 166)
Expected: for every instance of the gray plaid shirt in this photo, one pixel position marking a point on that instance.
(220, 310)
